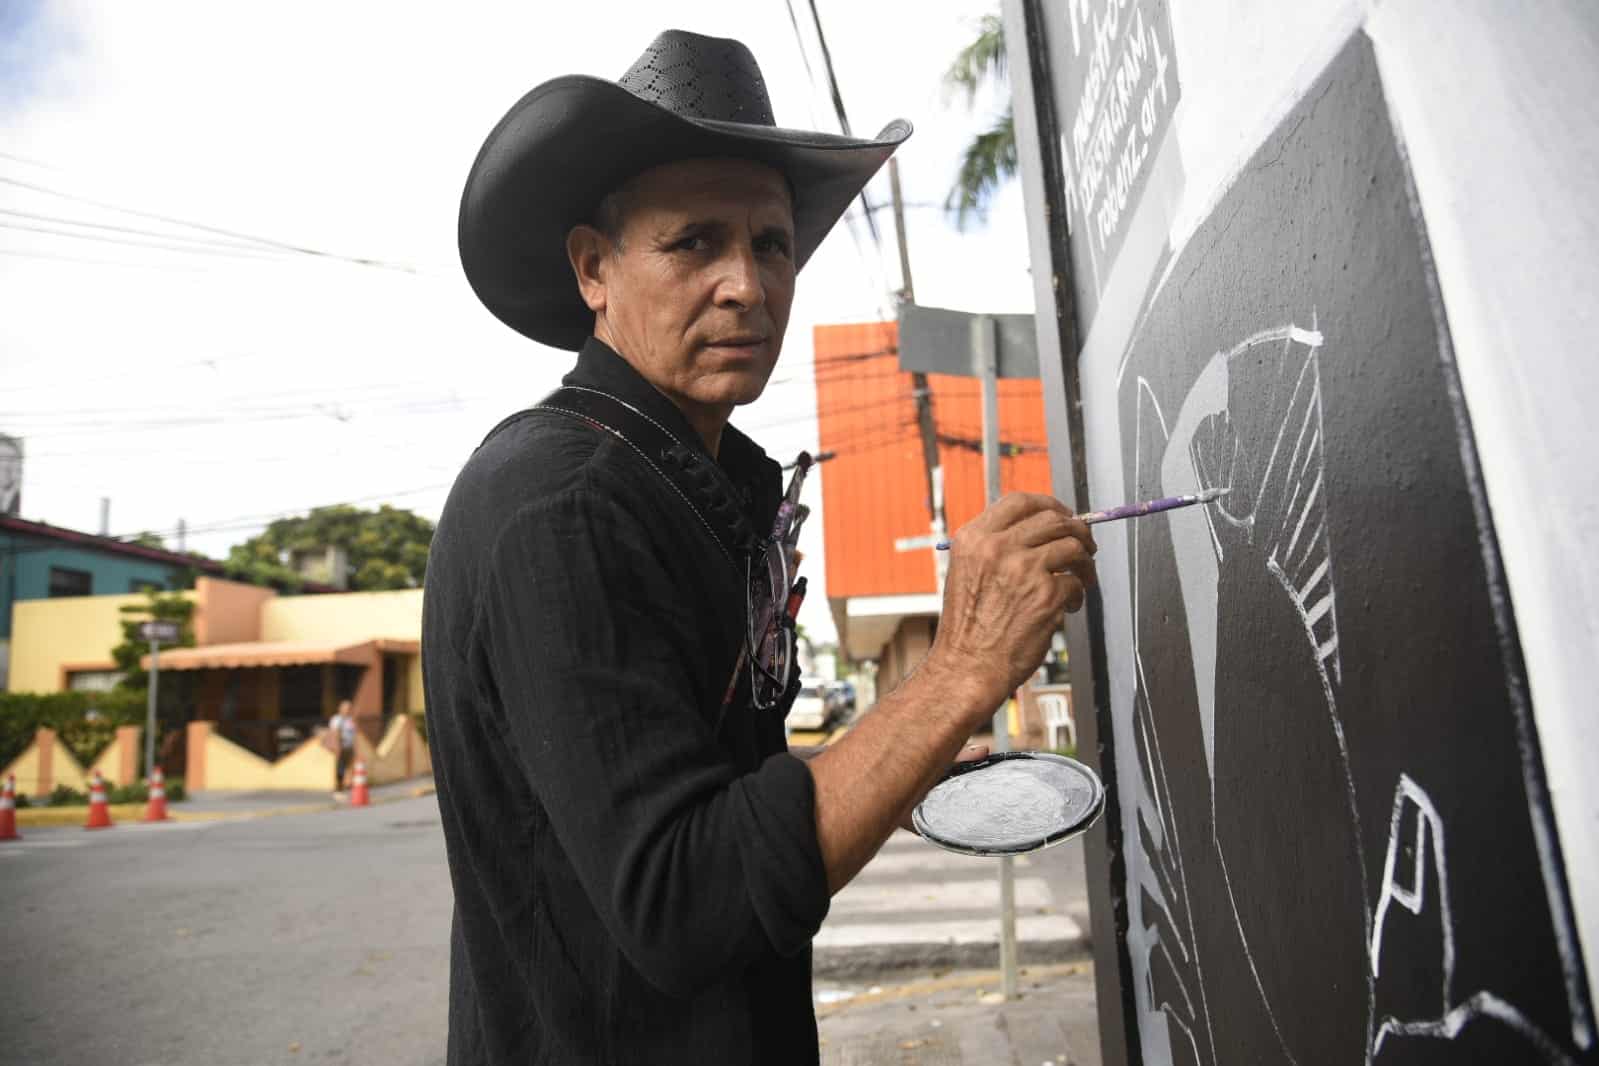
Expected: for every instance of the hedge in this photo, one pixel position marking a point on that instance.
(86, 736)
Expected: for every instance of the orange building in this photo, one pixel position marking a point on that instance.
(885, 602)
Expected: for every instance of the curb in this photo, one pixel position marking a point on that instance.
(377, 800)
(875, 960)
(131, 813)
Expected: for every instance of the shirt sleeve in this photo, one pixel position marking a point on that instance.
(696, 870)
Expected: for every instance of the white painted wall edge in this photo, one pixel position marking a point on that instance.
(1494, 107)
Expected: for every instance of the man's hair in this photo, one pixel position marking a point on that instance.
(610, 215)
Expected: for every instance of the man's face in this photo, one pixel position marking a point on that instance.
(695, 286)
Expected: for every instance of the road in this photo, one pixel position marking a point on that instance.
(306, 938)
(324, 937)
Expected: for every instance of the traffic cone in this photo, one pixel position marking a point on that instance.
(359, 796)
(156, 809)
(99, 811)
(8, 810)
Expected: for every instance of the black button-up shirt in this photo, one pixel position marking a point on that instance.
(636, 872)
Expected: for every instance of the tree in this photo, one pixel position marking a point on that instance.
(386, 548)
(990, 159)
(159, 607)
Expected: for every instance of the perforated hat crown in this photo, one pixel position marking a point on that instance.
(701, 77)
(546, 165)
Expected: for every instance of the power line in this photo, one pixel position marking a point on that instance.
(218, 251)
(843, 117)
(850, 217)
(218, 242)
(22, 253)
(207, 228)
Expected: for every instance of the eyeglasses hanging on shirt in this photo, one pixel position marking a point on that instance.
(774, 595)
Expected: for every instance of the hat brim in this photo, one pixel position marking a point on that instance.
(570, 141)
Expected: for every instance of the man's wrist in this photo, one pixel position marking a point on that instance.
(963, 689)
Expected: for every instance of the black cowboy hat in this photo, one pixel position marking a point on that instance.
(572, 140)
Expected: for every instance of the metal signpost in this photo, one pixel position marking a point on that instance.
(157, 633)
(987, 347)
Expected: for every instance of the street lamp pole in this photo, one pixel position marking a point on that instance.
(149, 714)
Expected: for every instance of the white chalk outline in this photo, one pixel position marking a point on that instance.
(1455, 1020)
(1323, 651)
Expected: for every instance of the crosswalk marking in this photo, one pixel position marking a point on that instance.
(873, 897)
(915, 893)
(955, 931)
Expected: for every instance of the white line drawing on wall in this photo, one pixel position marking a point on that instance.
(1276, 505)
(1274, 523)
(1417, 845)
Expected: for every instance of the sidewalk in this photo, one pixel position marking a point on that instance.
(215, 805)
(959, 1020)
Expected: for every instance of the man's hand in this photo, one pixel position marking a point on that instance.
(1012, 571)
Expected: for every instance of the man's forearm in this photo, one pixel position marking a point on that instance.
(867, 783)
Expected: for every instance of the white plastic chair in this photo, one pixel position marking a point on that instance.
(1056, 710)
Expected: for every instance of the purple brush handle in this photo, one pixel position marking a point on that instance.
(1133, 510)
(1126, 510)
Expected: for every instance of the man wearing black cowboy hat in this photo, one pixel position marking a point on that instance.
(639, 865)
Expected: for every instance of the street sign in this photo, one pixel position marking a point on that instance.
(939, 341)
(910, 544)
(160, 632)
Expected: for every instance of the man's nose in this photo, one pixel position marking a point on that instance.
(740, 283)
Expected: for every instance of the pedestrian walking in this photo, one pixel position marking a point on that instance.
(340, 739)
(639, 863)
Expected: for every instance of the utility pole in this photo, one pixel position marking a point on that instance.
(985, 359)
(924, 396)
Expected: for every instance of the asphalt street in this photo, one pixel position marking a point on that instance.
(324, 937)
(313, 938)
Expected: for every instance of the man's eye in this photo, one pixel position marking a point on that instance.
(773, 244)
(693, 243)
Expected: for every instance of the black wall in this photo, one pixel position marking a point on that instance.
(1344, 849)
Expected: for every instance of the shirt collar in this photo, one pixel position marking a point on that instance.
(600, 367)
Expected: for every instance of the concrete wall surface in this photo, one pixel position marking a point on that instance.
(217, 764)
(351, 616)
(1337, 258)
(73, 631)
(44, 764)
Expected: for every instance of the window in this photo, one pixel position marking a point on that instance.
(64, 582)
(93, 680)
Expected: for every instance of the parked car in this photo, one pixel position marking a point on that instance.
(811, 709)
(841, 696)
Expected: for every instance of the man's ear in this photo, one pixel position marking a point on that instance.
(587, 249)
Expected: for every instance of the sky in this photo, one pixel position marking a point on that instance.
(224, 387)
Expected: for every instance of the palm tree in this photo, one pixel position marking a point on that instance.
(990, 159)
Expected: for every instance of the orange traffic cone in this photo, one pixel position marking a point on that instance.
(359, 797)
(8, 810)
(156, 809)
(99, 811)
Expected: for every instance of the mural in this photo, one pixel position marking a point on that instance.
(1337, 840)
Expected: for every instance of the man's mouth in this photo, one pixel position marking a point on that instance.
(740, 340)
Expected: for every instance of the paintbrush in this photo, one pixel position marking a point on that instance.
(1134, 510)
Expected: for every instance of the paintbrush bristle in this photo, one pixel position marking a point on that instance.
(1213, 494)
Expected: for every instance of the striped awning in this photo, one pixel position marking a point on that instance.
(257, 653)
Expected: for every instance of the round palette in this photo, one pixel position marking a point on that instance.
(1010, 803)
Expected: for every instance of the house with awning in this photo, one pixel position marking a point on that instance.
(265, 673)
